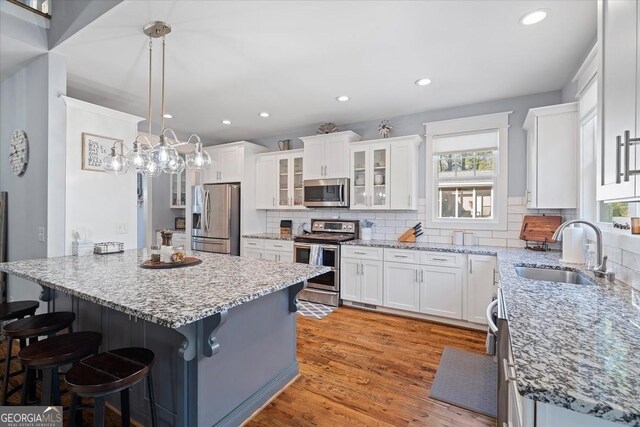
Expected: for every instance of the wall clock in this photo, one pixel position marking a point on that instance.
(19, 152)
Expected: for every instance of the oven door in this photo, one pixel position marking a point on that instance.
(329, 281)
(326, 193)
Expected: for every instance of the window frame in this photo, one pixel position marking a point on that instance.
(475, 124)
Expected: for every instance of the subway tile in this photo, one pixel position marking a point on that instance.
(440, 239)
(517, 209)
(491, 241)
(515, 201)
(631, 260)
(515, 226)
(515, 217)
(394, 223)
(516, 243)
(506, 234)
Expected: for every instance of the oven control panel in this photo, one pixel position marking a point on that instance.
(333, 226)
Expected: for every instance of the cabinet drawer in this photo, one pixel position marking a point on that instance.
(402, 255)
(441, 258)
(361, 252)
(254, 243)
(278, 245)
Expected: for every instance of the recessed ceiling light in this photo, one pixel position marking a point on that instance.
(533, 17)
(342, 98)
(226, 122)
(167, 116)
(264, 114)
(423, 82)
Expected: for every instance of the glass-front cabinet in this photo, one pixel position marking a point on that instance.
(290, 184)
(370, 176)
(178, 190)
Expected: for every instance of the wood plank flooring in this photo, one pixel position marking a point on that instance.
(365, 368)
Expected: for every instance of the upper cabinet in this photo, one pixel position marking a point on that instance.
(384, 173)
(227, 164)
(326, 156)
(619, 96)
(178, 190)
(279, 180)
(552, 153)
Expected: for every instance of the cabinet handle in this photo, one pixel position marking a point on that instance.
(361, 269)
(357, 269)
(277, 246)
(495, 282)
(274, 202)
(421, 276)
(400, 256)
(470, 266)
(360, 253)
(417, 276)
(409, 200)
(628, 142)
(439, 259)
(528, 196)
(618, 157)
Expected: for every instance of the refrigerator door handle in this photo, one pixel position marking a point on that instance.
(207, 210)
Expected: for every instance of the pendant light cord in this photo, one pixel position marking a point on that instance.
(163, 50)
(150, 74)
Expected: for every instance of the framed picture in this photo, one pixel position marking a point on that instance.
(94, 149)
(181, 223)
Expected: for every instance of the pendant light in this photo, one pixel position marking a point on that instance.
(163, 157)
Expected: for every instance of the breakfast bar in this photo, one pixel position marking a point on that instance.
(223, 332)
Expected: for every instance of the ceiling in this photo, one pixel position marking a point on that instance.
(234, 59)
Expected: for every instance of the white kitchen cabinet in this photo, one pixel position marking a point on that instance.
(481, 286)
(619, 106)
(253, 253)
(266, 183)
(227, 164)
(401, 286)
(290, 189)
(326, 156)
(441, 291)
(403, 172)
(350, 279)
(361, 280)
(369, 176)
(272, 250)
(552, 157)
(178, 190)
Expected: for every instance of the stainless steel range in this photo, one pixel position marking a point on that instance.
(322, 246)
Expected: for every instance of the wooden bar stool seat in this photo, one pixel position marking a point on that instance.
(30, 328)
(51, 353)
(17, 309)
(106, 373)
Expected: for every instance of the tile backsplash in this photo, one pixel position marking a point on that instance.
(389, 225)
(623, 251)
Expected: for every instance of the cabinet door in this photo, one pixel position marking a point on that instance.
(285, 256)
(441, 291)
(401, 287)
(284, 197)
(372, 279)
(231, 165)
(480, 286)
(211, 174)
(379, 177)
(296, 184)
(403, 176)
(336, 158)
(266, 183)
(313, 162)
(532, 167)
(174, 192)
(270, 255)
(350, 279)
(359, 178)
(617, 86)
(253, 253)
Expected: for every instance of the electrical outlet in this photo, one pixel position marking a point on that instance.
(41, 236)
(122, 228)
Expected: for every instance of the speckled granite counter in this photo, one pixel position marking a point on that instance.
(575, 346)
(171, 298)
(268, 236)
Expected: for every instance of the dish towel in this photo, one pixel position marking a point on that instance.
(315, 255)
(491, 337)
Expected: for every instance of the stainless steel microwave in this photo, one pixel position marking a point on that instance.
(326, 193)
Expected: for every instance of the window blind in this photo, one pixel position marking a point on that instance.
(477, 141)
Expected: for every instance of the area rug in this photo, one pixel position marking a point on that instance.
(315, 310)
(468, 380)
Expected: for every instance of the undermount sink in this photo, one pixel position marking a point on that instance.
(552, 275)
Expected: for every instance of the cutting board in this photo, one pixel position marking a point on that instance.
(539, 228)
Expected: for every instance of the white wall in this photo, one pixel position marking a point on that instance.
(98, 201)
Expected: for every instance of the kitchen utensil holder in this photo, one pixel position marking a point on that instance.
(104, 248)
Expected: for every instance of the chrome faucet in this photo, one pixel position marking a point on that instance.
(600, 270)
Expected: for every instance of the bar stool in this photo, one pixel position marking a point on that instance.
(107, 373)
(17, 310)
(31, 328)
(51, 353)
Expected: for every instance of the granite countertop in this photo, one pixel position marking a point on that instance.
(574, 346)
(268, 236)
(171, 297)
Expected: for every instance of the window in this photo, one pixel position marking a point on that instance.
(465, 186)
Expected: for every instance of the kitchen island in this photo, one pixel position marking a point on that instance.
(223, 332)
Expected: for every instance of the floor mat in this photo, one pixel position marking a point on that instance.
(315, 310)
(468, 380)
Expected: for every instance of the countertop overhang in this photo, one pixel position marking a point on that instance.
(171, 297)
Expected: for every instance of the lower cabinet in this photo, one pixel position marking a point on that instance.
(441, 291)
(481, 286)
(401, 286)
(361, 281)
(272, 250)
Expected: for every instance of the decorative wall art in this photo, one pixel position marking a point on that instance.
(327, 128)
(385, 128)
(94, 149)
(19, 152)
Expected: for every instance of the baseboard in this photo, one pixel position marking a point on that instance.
(261, 398)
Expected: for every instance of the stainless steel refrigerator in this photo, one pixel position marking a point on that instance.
(216, 218)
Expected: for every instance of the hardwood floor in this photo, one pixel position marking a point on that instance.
(361, 368)
(365, 368)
